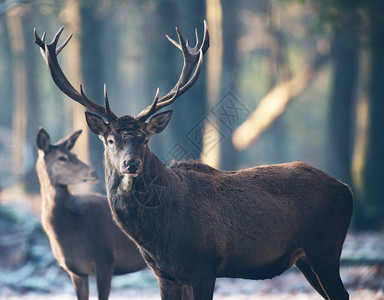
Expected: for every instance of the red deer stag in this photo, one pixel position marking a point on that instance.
(193, 223)
(83, 237)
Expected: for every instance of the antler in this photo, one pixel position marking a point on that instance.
(193, 57)
(49, 53)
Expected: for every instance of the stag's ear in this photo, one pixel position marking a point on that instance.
(43, 141)
(96, 124)
(158, 122)
(70, 141)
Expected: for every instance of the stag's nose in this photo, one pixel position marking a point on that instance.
(132, 165)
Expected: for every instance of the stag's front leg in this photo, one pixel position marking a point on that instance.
(170, 290)
(203, 286)
(81, 286)
(103, 280)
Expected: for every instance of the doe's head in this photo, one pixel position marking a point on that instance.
(61, 165)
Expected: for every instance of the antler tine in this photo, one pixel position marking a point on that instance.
(195, 75)
(106, 103)
(38, 41)
(149, 110)
(191, 56)
(204, 46)
(193, 59)
(197, 45)
(155, 106)
(63, 44)
(49, 53)
(57, 36)
(176, 44)
(169, 101)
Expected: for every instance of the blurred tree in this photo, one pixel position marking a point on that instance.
(6, 102)
(192, 106)
(228, 82)
(25, 120)
(283, 84)
(92, 16)
(280, 72)
(345, 45)
(368, 180)
(349, 30)
(353, 22)
(210, 134)
(5, 72)
(275, 102)
(72, 55)
(162, 64)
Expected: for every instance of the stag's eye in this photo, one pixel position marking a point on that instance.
(62, 158)
(110, 142)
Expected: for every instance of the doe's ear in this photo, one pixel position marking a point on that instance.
(70, 141)
(158, 122)
(96, 124)
(43, 141)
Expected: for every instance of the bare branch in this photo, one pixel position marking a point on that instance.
(274, 104)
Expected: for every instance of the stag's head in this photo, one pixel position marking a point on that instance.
(61, 165)
(126, 138)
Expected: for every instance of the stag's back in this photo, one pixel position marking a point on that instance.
(272, 209)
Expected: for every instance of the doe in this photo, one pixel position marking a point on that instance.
(83, 237)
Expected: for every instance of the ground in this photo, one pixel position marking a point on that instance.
(29, 271)
(362, 282)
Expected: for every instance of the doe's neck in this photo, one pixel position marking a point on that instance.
(50, 193)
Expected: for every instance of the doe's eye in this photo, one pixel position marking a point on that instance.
(62, 158)
(110, 142)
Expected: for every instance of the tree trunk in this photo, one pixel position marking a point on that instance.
(6, 91)
(162, 64)
(73, 69)
(209, 130)
(192, 106)
(370, 204)
(229, 117)
(345, 56)
(25, 98)
(280, 72)
(91, 38)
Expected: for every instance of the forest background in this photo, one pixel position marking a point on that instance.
(282, 81)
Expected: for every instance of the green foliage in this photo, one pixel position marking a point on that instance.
(328, 12)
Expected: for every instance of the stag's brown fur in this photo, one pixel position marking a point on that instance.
(83, 237)
(254, 223)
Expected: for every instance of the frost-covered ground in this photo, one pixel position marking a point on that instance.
(29, 271)
(363, 282)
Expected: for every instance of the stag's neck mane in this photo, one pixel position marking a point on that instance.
(137, 203)
(150, 189)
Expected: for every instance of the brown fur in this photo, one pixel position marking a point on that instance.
(83, 237)
(193, 223)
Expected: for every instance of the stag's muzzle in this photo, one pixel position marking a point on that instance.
(131, 166)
